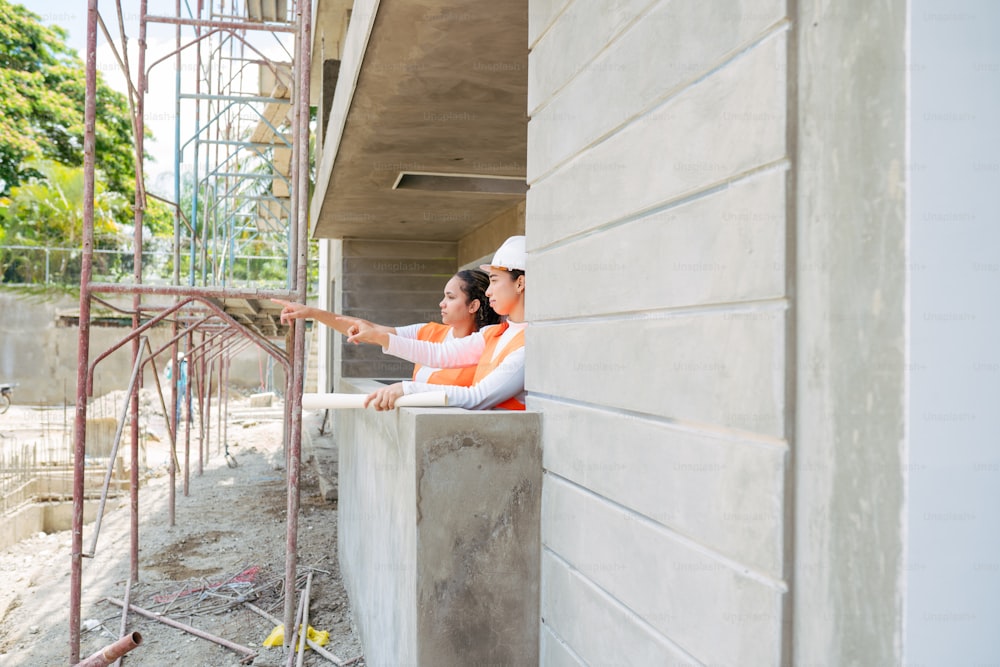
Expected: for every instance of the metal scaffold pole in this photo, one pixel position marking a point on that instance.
(301, 161)
(237, 206)
(140, 205)
(83, 347)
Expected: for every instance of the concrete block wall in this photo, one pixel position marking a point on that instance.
(393, 283)
(658, 267)
(40, 354)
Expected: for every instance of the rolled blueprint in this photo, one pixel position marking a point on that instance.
(427, 399)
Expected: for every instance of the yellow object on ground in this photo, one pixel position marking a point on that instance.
(277, 636)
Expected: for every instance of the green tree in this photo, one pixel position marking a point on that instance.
(46, 212)
(42, 90)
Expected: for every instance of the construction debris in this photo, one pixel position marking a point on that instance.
(249, 653)
(225, 551)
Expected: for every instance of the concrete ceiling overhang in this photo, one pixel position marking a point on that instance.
(438, 87)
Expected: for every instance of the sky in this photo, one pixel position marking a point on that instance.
(160, 113)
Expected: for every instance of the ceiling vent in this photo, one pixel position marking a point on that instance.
(476, 183)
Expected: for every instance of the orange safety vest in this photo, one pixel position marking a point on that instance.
(487, 364)
(459, 377)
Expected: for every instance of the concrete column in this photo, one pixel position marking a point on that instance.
(324, 336)
(850, 295)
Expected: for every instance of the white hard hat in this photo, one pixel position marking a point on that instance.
(511, 255)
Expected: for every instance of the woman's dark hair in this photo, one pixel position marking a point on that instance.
(474, 286)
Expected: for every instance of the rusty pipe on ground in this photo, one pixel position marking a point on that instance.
(295, 639)
(112, 652)
(247, 652)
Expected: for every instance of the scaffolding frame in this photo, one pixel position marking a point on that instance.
(231, 163)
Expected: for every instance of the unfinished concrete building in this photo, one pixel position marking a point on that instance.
(740, 216)
(737, 217)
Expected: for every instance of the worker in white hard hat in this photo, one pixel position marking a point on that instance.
(496, 351)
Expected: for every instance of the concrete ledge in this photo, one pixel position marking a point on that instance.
(439, 532)
(41, 518)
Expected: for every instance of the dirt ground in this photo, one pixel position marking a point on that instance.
(227, 545)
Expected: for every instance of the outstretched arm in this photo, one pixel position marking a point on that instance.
(340, 323)
(454, 353)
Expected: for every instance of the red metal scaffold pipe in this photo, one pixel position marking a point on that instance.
(83, 347)
(294, 395)
(225, 344)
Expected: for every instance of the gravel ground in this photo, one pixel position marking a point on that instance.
(227, 544)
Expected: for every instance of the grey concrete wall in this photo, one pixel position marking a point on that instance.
(953, 496)
(851, 168)
(376, 531)
(41, 356)
(438, 533)
(393, 283)
(477, 247)
(658, 268)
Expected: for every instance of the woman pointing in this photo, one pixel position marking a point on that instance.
(464, 310)
(497, 351)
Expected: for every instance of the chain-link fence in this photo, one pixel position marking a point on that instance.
(42, 265)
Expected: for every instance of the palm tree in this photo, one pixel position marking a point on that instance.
(46, 212)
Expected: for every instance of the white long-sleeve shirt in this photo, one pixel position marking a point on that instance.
(505, 381)
(410, 331)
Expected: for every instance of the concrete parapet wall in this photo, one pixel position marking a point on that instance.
(439, 533)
